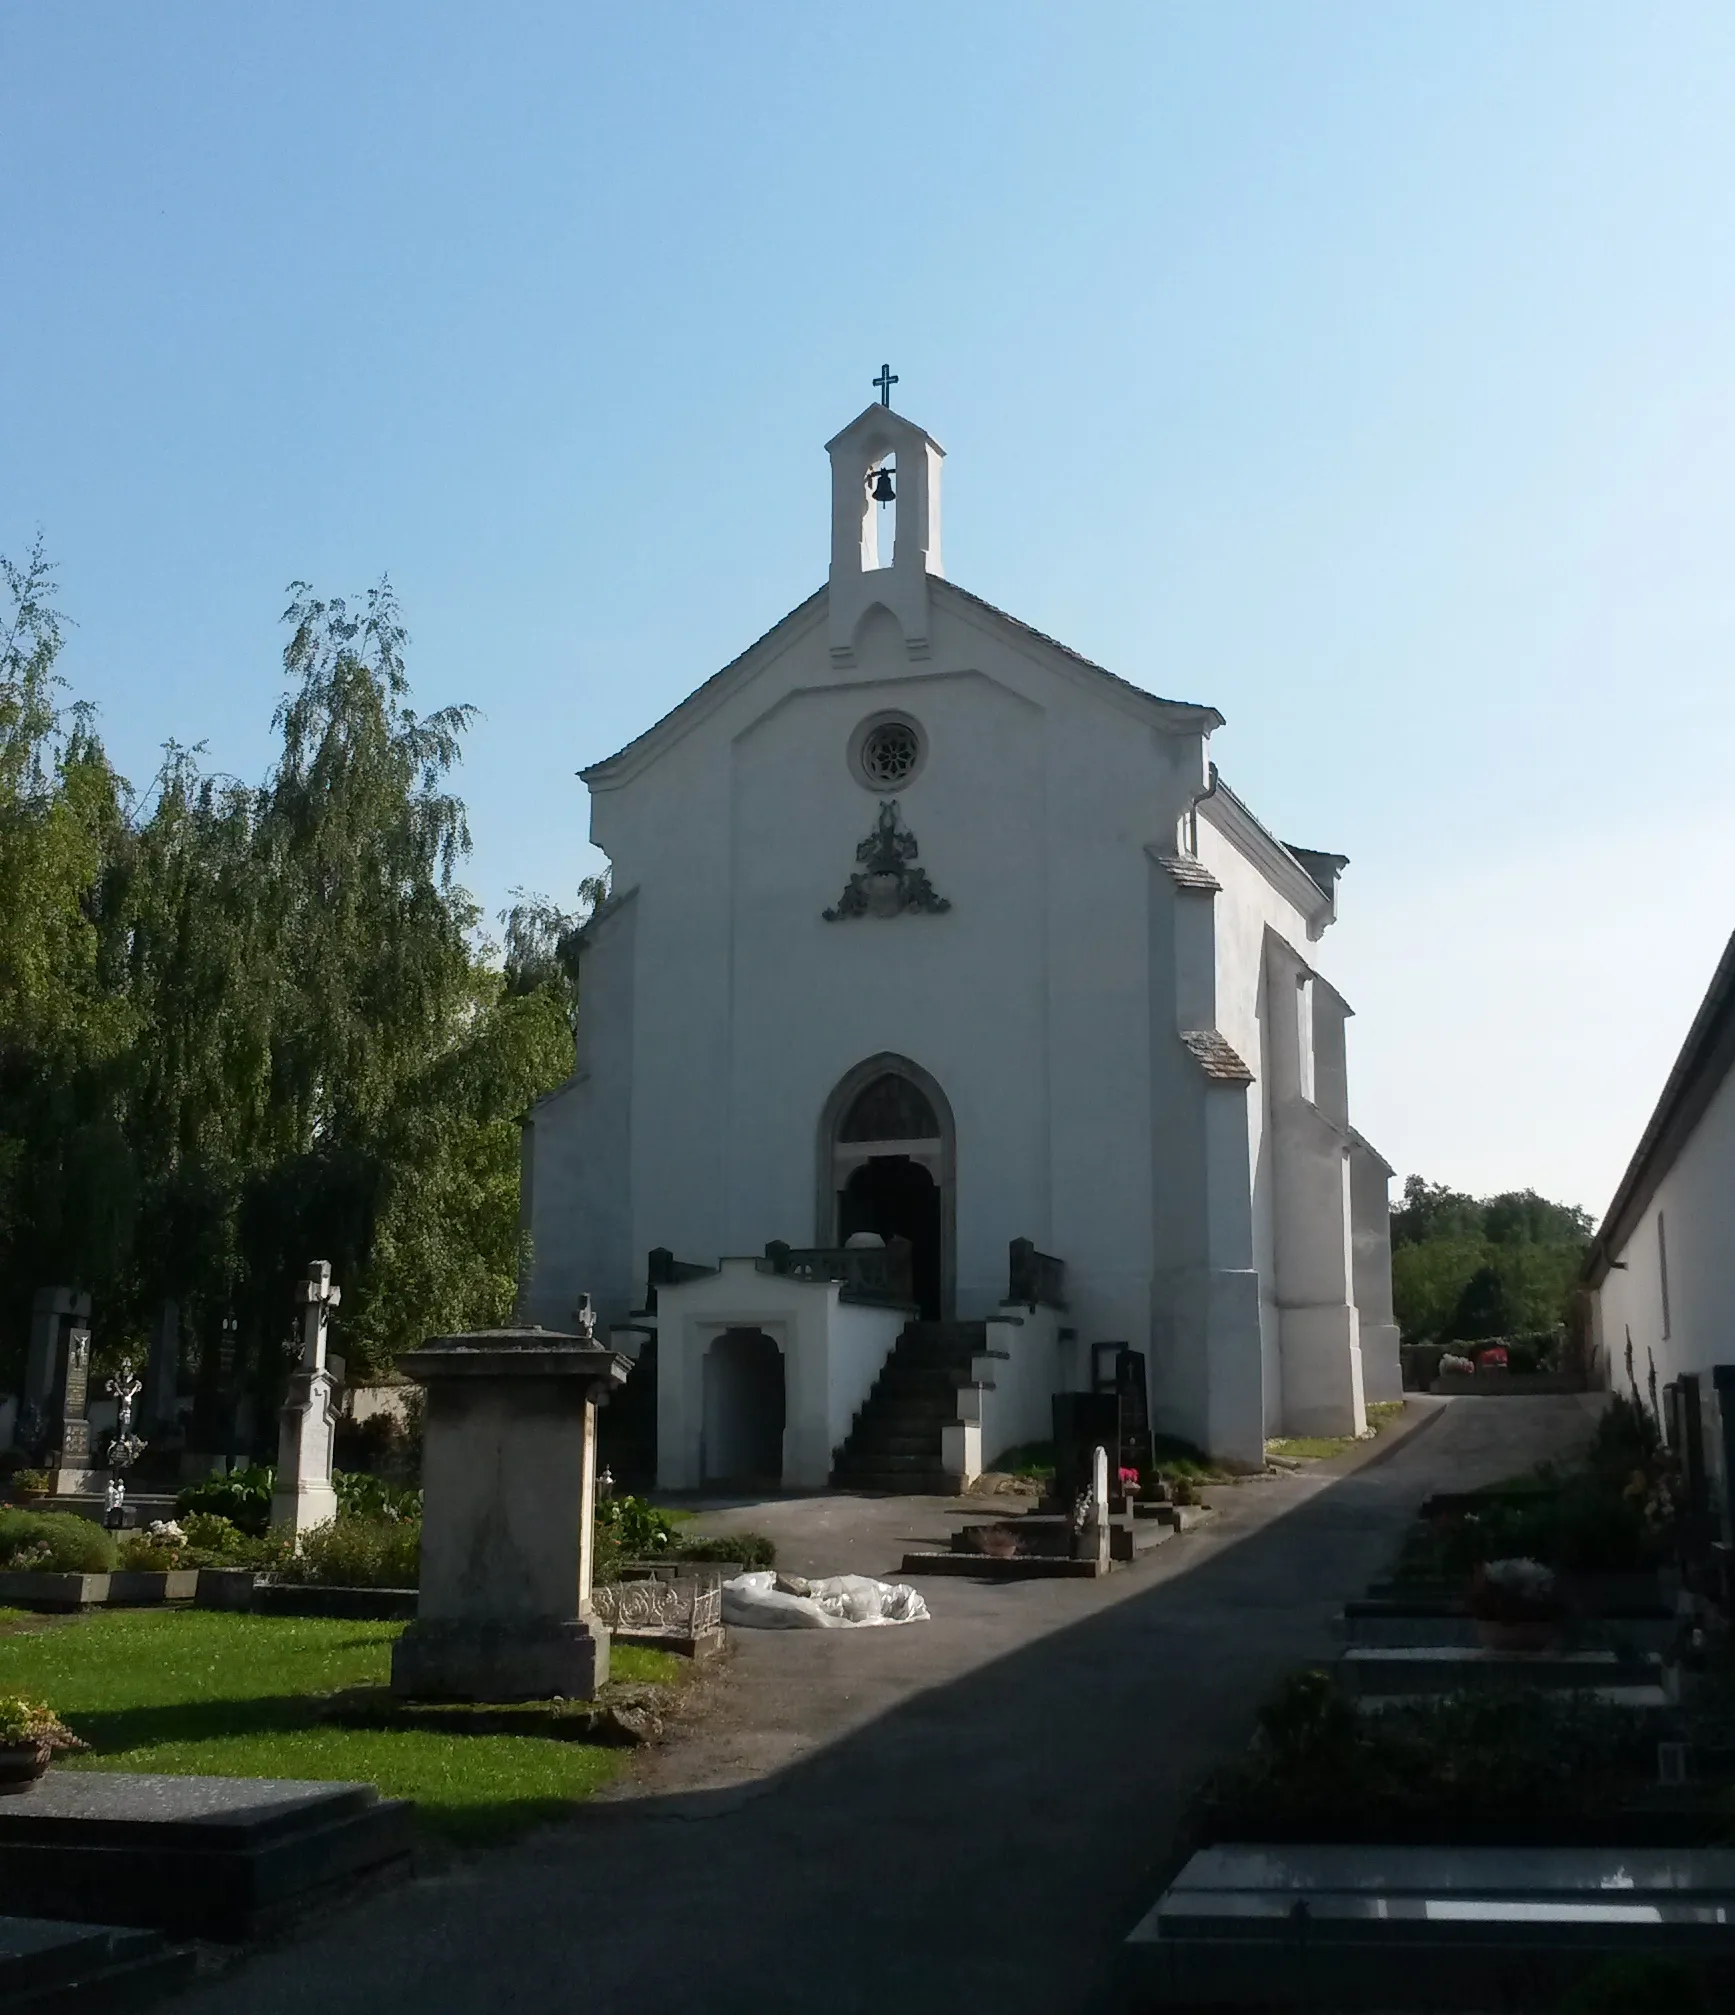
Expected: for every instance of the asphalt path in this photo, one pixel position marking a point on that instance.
(893, 1819)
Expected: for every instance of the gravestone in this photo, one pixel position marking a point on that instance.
(1083, 1421)
(508, 1494)
(73, 1472)
(52, 1315)
(1093, 1541)
(303, 1497)
(162, 1401)
(1717, 1439)
(1136, 1451)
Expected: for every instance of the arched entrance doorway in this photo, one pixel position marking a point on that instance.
(886, 1166)
(744, 1411)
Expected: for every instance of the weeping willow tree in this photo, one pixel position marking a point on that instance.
(247, 1025)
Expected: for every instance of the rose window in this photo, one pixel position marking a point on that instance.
(889, 754)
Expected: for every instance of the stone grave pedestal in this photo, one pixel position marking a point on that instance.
(508, 1489)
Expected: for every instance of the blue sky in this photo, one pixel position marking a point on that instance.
(1365, 370)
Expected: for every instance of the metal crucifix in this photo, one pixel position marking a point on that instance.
(883, 384)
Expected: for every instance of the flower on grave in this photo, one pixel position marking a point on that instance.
(1515, 1591)
(33, 1724)
(166, 1532)
(1129, 1479)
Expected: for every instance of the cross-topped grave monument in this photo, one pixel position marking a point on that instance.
(303, 1497)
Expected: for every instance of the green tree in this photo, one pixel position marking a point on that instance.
(243, 1026)
(1465, 1268)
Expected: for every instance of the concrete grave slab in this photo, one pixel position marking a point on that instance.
(213, 1857)
(1423, 1927)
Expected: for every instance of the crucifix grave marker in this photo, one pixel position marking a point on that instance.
(304, 1497)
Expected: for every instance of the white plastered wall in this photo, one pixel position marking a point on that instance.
(1693, 1201)
(832, 1353)
(1028, 1001)
(1287, 1024)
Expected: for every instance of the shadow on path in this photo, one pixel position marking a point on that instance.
(997, 1834)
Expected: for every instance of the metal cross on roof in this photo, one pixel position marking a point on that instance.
(883, 384)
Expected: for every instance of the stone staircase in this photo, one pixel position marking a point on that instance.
(896, 1441)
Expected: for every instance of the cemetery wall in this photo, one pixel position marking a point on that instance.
(1693, 1326)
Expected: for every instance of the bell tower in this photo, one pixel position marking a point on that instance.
(881, 458)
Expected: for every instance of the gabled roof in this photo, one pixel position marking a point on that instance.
(1706, 1059)
(1179, 716)
(1281, 865)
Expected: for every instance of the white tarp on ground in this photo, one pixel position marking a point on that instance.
(839, 1602)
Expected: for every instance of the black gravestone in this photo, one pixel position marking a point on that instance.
(1083, 1423)
(1135, 1445)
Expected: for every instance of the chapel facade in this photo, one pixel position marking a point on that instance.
(948, 1020)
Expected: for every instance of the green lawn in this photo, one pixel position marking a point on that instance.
(1322, 1447)
(203, 1693)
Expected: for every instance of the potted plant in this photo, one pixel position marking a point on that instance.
(31, 1486)
(30, 1734)
(1517, 1605)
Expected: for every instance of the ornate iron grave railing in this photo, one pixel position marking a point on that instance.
(688, 1606)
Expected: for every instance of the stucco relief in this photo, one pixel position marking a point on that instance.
(889, 883)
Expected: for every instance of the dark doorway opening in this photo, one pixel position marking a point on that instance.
(744, 1411)
(898, 1198)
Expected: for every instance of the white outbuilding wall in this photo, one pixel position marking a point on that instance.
(1663, 1264)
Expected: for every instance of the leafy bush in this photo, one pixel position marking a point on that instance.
(141, 1554)
(635, 1529)
(1481, 1761)
(54, 1542)
(361, 1495)
(372, 1552)
(31, 1479)
(243, 1497)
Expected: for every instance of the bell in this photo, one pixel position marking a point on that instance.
(882, 492)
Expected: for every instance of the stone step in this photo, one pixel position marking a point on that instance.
(901, 1483)
(982, 1567)
(47, 1966)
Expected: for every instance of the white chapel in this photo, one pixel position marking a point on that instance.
(949, 1019)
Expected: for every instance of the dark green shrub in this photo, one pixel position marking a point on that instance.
(213, 1541)
(54, 1542)
(746, 1549)
(243, 1497)
(376, 1552)
(634, 1529)
(1495, 1762)
(141, 1554)
(1637, 1987)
